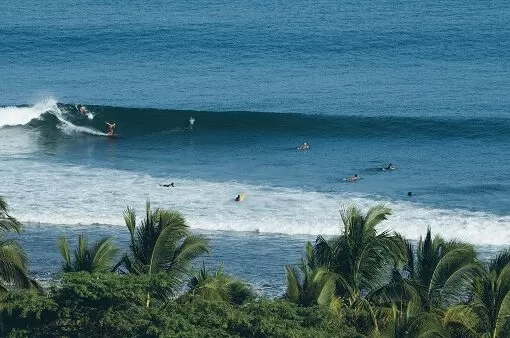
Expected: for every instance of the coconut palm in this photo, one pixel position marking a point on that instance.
(99, 258)
(487, 314)
(309, 284)
(161, 243)
(436, 277)
(218, 287)
(7, 222)
(442, 271)
(13, 260)
(361, 257)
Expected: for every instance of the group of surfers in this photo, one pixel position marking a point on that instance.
(83, 110)
(355, 177)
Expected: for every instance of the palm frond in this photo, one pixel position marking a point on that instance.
(103, 253)
(7, 222)
(130, 220)
(464, 316)
(293, 284)
(191, 248)
(63, 247)
(502, 328)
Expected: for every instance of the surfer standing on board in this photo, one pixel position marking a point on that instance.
(111, 126)
(191, 122)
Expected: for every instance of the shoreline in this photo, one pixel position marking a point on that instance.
(257, 258)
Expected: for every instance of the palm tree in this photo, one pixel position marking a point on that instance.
(443, 271)
(361, 257)
(433, 279)
(99, 258)
(309, 284)
(161, 243)
(487, 314)
(218, 287)
(13, 260)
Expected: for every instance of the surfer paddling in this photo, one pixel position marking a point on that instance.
(111, 126)
(352, 178)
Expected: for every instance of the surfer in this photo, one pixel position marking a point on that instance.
(352, 178)
(191, 122)
(304, 146)
(390, 167)
(82, 109)
(166, 185)
(111, 126)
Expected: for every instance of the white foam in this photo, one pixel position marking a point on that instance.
(72, 195)
(69, 128)
(16, 116)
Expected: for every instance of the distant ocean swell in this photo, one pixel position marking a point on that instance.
(56, 117)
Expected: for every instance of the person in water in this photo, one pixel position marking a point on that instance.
(304, 146)
(238, 198)
(390, 167)
(166, 185)
(353, 178)
(82, 109)
(191, 122)
(111, 126)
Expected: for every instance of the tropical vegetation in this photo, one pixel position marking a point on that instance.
(99, 258)
(365, 281)
(162, 243)
(13, 260)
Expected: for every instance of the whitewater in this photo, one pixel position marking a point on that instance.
(51, 192)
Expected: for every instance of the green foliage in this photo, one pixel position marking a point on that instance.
(13, 261)
(360, 256)
(7, 222)
(108, 305)
(218, 287)
(99, 258)
(161, 243)
(311, 284)
(487, 313)
(443, 271)
(25, 310)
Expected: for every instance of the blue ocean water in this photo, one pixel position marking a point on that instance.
(422, 85)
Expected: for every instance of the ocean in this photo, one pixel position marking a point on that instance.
(423, 85)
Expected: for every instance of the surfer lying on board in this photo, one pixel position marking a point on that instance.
(390, 167)
(352, 178)
(111, 126)
(166, 185)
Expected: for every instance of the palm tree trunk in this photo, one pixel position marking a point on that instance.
(148, 299)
